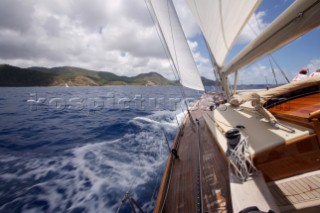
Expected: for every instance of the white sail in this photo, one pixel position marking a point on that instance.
(301, 17)
(176, 43)
(221, 21)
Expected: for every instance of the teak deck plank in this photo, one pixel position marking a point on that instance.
(215, 183)
(181, 194)
(297, 192)
(182, 188)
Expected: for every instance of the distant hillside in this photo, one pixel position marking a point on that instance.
(11, 76)
(73, 76)
(14, 76)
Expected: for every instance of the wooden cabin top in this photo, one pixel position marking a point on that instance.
(302, 108)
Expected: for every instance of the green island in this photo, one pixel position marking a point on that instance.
(12, 76)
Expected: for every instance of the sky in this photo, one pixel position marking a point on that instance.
(119, 36)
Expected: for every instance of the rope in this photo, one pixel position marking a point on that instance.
(240, 160)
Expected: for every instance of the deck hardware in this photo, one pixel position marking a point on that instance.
(174, 152)
(277, 124)
(239, 126)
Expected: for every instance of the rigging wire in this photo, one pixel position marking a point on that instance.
(159, 32)
(157, 181)
(176, 66)
(175, 70)
(281, 70)
(154, 192)
(273, 72)
(176, 75)
(171, 159)
(164, 46)
(269, 55)
(169, 181)
(253, 30)
(127, 195)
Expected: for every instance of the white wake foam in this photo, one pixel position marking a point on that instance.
(95, 176)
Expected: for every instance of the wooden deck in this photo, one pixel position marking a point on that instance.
(189, 178)
(297, 192)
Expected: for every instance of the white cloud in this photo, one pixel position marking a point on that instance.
(255, 74)
(105, 35)
(313, 65)
(203, 63)
(261, 72)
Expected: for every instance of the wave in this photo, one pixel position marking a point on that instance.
(92, 177)
(82, 161)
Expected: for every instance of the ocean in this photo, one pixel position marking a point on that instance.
(80, 149)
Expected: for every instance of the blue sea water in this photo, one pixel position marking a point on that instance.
(80, 149)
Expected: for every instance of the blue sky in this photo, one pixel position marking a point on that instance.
(303, 52)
